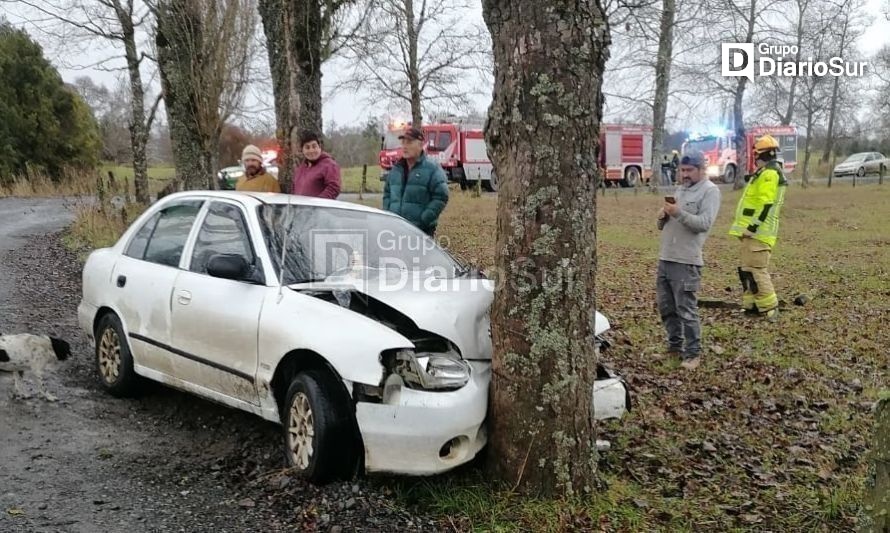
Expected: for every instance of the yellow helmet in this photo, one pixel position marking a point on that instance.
(765, 144)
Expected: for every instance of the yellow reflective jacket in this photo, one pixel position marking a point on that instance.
(759, 206)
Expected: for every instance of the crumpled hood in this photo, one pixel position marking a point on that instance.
(457, 309)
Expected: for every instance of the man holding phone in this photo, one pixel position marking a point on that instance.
(684, 221)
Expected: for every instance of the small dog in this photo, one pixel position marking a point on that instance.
(26, 352)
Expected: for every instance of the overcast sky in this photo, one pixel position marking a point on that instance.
(347, 108)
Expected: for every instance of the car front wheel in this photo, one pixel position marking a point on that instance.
(318, 441)
(861, 172)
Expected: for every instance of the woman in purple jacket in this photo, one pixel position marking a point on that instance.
(318, 174)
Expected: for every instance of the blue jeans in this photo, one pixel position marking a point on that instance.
(676, 288)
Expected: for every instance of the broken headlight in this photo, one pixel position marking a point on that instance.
(427, 370)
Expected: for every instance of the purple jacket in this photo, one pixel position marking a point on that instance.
(319, 178)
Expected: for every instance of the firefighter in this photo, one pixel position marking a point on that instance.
(756, 225)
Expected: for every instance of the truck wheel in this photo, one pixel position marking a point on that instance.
(491, 184)
(631, 177)
(729, 174)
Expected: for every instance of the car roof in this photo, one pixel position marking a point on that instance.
(253, 199)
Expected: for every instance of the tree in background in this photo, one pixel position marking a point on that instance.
(417, 53)
(203, 49)
(543, 138)
(111, 108)
(44, 125)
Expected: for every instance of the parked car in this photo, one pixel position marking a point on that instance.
(291, 308)
(861, 164)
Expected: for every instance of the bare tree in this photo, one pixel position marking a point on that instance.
(300, 36)
(816, 35)
(203, 49)
(116, 22)
(417, 52)
(549, 59)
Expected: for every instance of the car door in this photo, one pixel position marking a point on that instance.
(143, 279)
(215, 321)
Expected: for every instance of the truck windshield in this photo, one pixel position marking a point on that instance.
(391, 140)
(702, 145)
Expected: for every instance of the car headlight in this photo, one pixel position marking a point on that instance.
(429, 371)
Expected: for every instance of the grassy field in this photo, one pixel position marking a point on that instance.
(770, 433)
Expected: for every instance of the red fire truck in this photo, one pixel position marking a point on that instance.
(625, 153)
(458, 146)
(720, 153)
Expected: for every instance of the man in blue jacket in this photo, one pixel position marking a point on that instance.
(416, 188)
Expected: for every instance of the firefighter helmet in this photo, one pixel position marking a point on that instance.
(765, 144)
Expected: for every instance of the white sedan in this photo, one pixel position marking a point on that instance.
(368, 342)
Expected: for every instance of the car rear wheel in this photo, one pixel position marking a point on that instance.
(318, 441)
(114, 362)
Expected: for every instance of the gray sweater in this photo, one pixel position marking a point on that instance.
(683, 235)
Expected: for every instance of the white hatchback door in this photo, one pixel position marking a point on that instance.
(215, 321)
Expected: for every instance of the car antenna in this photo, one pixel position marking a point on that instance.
(289, 216)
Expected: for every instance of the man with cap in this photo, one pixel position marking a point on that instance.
(255, 178)
(415, 187)
(684, 221)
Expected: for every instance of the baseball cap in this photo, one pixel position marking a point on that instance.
(693, 158)
(412, 133)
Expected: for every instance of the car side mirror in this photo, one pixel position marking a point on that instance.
(228, 266)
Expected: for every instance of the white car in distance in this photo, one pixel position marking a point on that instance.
(317, 314)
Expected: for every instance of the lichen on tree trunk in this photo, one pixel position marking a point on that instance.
(543, 137)
(876, 508)
(294, 31)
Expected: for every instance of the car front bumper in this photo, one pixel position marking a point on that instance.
(845, 172)
(424, 433)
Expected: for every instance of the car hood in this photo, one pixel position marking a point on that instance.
(457, 309)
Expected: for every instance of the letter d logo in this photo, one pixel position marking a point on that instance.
(737, 60)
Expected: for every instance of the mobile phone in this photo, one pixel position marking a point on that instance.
(670, 199)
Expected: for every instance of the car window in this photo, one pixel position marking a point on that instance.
(136, 248)
(444, 140)
(223, 231)
(172, 229)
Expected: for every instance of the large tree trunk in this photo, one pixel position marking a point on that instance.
(294, 30)
(543, 136)
(139, 128)
(178, 28)
(741, 147)
(805, 177)
(662, 84)
(875, 515)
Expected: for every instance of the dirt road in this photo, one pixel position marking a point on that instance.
(163, 462)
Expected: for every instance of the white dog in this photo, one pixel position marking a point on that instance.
(26, 352)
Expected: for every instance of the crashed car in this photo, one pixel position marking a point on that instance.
(323, 316)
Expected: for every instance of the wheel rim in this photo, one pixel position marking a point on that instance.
(110, 356)
(300, 431)
(632, 177)
(860, 172)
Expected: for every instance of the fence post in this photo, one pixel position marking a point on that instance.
(881, 175)
(361, 190)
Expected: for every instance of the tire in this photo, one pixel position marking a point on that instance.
(491, 184)
(861, 172)
(631, 177)
(319, 442)
(729, 174)
(114, 361)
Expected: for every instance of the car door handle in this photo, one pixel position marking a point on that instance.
(121, 280)
(183, 297)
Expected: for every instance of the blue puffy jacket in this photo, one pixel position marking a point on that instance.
(418, 195)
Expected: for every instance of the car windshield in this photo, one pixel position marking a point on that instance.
(320, 242)
(855, 158)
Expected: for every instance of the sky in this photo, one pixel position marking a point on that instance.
(342, 108)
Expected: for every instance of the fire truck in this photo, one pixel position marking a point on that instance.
(720, 153)
(458, 146)
(625, 153)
